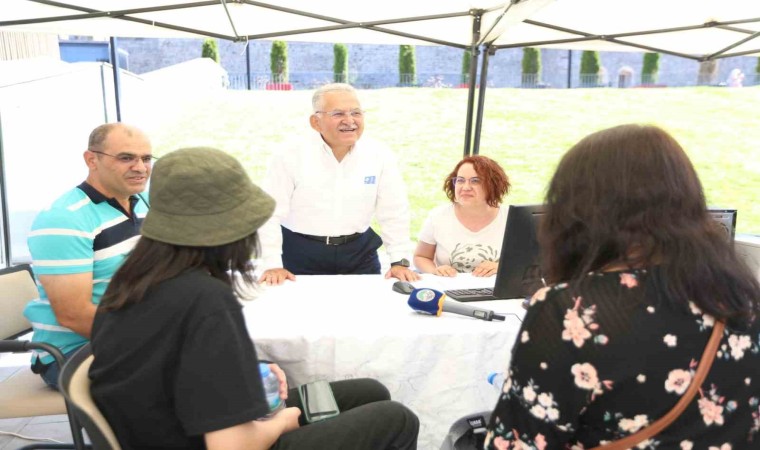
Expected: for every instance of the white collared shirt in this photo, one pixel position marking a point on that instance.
(320, 196)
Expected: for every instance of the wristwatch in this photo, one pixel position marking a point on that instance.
(403, 262)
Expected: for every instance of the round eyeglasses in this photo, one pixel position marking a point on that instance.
(460, 181)
(340, 115)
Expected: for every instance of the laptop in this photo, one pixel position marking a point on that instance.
(519, 274)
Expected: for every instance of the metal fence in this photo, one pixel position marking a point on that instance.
(377, 80)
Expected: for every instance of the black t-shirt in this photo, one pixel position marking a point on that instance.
(176, 365)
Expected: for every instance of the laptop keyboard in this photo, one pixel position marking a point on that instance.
(471, 295)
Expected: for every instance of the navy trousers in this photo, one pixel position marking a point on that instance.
(303, 256)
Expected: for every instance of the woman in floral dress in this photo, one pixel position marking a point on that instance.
(640, 273)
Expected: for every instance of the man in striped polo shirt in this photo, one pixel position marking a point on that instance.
(82, 238)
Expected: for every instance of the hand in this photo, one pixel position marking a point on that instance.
(445, 271)
(275, 277)
(402, 273)
(282, 379)
(288, 417)
(486, 269)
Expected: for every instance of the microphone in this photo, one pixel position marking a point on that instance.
(432, 302)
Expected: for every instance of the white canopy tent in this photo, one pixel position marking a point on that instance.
(695, 29)
(701, 30)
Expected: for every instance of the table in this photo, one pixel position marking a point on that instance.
(352, 326)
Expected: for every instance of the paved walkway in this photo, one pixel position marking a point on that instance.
(53, 427)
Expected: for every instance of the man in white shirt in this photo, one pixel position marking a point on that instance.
(327, 192)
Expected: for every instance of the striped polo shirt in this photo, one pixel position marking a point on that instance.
(83, 231)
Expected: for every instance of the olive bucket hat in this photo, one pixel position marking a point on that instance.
(202, 197)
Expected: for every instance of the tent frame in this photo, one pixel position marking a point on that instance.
(479, 45)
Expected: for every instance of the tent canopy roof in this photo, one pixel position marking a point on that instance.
(697, 29)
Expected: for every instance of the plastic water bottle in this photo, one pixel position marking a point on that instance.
(271, 388)
(496, 379)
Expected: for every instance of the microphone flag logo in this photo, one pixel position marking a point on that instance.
(425, 295)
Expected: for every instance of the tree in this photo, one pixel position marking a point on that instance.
(650, 69)
(757, 70)
(340, 64)
(278, 62)
(210, 49)
(590, 66)
(407, 69)
(531, 67)
(466, 64)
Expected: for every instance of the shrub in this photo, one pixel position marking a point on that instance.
(466, 63)
(590, 66)
(757, 68)
(210, 49)
(278, 61)
(407, 69)
(650, 69)
(340, 63)
(531, 67)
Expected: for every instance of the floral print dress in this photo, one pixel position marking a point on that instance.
(590, 368)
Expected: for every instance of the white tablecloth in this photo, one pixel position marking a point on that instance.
(342, 327)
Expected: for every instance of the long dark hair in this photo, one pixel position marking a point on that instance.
(630, 195)
(152, 262)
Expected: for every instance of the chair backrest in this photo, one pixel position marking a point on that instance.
(17, 288)
(74, 382)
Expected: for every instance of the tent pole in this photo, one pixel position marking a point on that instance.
(116, 77)
(248, 64)
(5, 256)
(487, 51)
(474, 54)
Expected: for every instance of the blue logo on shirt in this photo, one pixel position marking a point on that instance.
(369, 180)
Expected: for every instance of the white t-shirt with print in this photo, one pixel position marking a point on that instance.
(458, 247)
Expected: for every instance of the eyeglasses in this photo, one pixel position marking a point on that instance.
(460, 181)
(129, 158)
(340, 115)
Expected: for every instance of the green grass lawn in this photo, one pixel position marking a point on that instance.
(527, 131)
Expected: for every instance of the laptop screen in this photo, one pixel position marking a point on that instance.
(520, 274)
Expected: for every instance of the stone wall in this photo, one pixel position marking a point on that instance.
(310, 64)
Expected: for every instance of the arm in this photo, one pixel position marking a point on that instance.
(71, 299)
(424, 257)
(280, 185)
(255, 435)
(392, 209)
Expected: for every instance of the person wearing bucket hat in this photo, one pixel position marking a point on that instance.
(78, 242)
(174, 365)
(202, 197)
(328, 190)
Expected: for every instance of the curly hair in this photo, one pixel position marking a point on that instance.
(495, 181)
